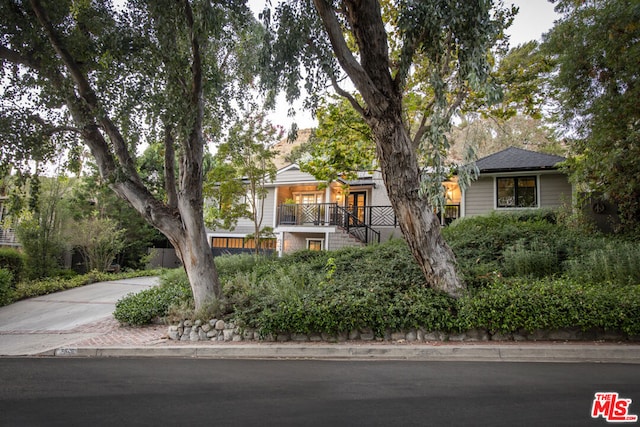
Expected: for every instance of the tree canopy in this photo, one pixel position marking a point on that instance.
(596, 45)
(439, 50)
(113, 76)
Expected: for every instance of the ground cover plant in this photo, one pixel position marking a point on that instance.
(525, 271)
(69, 280)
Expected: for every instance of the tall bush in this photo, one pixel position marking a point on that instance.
(13, 261)
(538, 259)
(6, 286)
(99, 240)
(612, 262)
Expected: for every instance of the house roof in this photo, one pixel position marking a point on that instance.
(518, 159)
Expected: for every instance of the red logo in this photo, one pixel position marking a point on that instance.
(612, 408)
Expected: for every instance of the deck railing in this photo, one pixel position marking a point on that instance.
(332, 214)
(8, 237)
(358, 221)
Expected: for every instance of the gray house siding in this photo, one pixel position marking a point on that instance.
(379, 196)
(555, 190)
(479, 198)
(294, 175)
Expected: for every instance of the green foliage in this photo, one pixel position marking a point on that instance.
(596, 45)
(98, 240)
(377, 287)
(612, 262)
(479, 242)
(39, 223)
(28, 289)
(13, 261)
(224, 192)
(132, 74)
(341, 144)
(540, 281)
(523, 73)
(552, 304)
(6, 286)
(91, 198)
(537, 259)
(244, 168)
(228, 265)
(145, 306)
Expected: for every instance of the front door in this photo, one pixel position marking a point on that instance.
(356, 203)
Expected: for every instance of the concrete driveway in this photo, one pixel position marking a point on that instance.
(38, 324)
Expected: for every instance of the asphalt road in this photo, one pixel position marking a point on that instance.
(192, 392)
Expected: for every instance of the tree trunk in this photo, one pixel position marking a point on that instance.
(419, 224)
(181, 218)
(185, 229)
(197, 259)
(382, 96)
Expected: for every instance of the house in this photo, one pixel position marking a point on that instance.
(309, 214)
(516, 179)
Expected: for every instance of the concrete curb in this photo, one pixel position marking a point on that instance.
(567, 353)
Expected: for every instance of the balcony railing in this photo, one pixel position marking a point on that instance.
(313, 214)
(8, 237)
(332, 214)
(354, 221)
(358, 222)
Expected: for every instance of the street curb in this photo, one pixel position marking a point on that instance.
(566, 353)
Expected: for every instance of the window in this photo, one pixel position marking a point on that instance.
(315, 244)
(241, 243)
(308, 198)
(517, 192)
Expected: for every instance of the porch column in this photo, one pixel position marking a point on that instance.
(463, 202)
(327, 199)
(280, 243)
(276, 207)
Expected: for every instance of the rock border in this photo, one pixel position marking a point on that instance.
(221, 331)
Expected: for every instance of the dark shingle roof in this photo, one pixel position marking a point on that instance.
(516, 159)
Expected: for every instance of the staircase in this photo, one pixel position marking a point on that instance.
(355, 227)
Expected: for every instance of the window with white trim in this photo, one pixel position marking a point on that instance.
(517, 192)
(315, 244)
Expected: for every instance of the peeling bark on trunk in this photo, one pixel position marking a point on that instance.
(419, 224)
(181, 219)
(382, 96)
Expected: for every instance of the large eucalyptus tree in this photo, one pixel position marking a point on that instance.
(436, 49)
(114, 75)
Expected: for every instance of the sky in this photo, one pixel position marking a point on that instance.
(534, 18)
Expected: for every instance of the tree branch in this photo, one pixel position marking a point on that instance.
(169, 169)
(87, 94)
(354, 103)
(361, 80)
(191, 156)
(16, 58)
(420, 132)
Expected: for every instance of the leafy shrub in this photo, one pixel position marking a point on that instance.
(612, 262)
(228, 265)
(6, 286)
(551, 304)
(28, 289)
(377, 287)
(479, 243)
(538, 259)
(12, 260)
(145, 306)
(380, 287)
